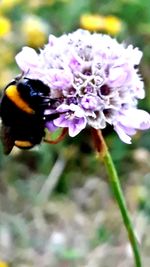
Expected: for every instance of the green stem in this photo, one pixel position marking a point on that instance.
(115, 184)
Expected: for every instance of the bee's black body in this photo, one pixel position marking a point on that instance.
(22, 113)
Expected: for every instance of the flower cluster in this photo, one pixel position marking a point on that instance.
(94, 79)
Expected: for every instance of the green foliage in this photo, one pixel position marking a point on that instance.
(102, 235)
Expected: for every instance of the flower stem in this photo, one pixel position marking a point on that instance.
(115, 184)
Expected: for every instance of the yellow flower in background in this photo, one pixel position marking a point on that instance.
(113, 25)
(5, 26)
(7, 4)
(35, 31)
(3, 264)
(92, 22)
(109, 24)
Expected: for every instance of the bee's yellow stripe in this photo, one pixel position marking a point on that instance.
(23, 144)
(14, 96)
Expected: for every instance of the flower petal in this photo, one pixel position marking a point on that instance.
(118, 76)
(76, 126)
(51, 126)
(135, 118)
(122, 135)
(27, 59)
(62, 121)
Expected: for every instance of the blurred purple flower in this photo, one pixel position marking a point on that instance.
(95, 80)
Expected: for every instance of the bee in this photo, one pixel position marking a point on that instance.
(22, 113)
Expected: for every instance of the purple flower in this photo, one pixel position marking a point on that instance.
(94, 79)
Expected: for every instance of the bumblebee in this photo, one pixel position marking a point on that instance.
(22, 113)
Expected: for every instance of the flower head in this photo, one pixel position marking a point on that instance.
(94, 79)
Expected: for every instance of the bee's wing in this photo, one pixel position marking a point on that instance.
(6, 138)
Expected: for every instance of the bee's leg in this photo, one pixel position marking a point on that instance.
(58, 139)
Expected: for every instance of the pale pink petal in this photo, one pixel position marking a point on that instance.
(118, 76)
(134, 54)
(123, 136)
(27, 58)
(62, 121)
(76, 127)
(135, 118)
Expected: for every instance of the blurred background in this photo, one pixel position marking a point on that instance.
(56, 206)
